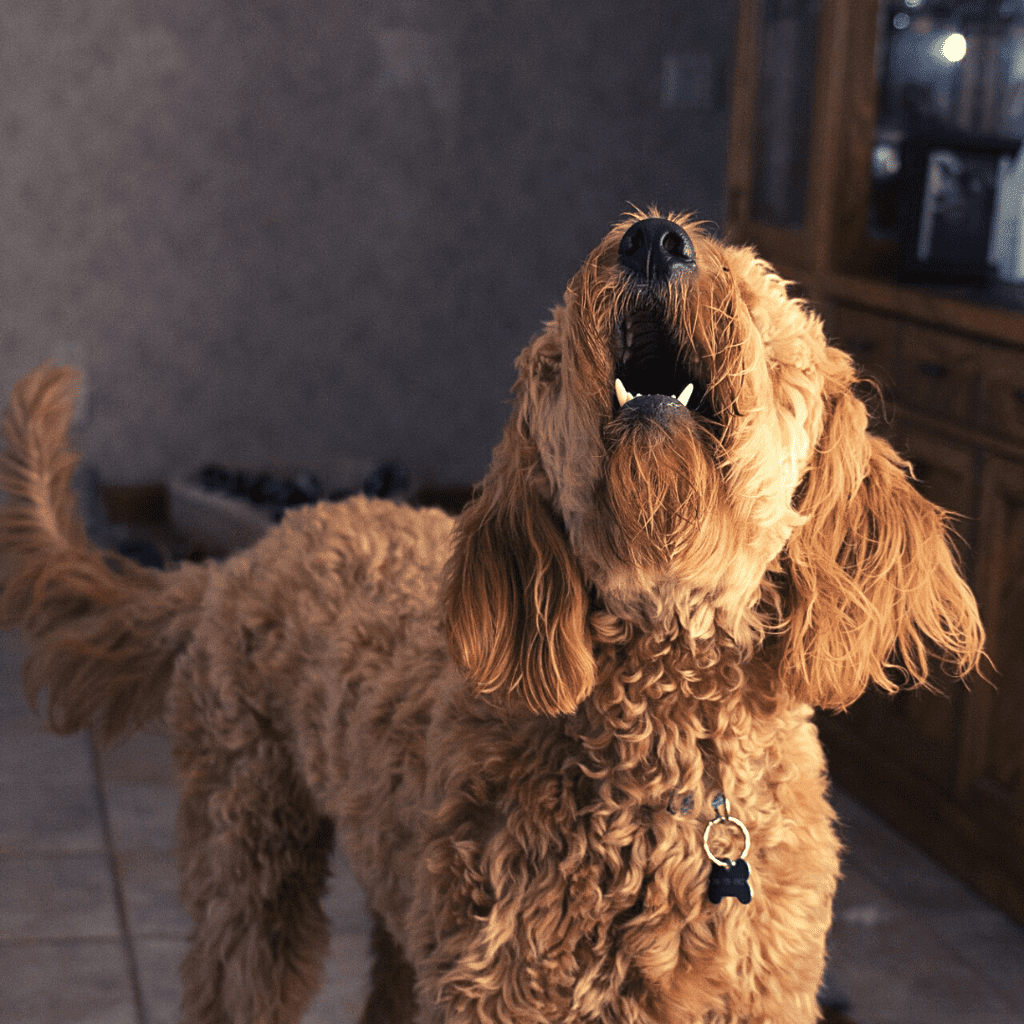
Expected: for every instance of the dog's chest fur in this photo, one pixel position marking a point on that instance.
(571, 820)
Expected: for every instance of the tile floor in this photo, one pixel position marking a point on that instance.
(91, 929)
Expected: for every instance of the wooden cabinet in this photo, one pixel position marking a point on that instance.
(944, 767)
(995, 760)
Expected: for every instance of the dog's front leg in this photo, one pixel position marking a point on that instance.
(392, 997)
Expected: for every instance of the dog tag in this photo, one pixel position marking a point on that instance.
(728, 877)
(730, 881)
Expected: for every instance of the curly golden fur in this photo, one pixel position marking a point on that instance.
(517, 726)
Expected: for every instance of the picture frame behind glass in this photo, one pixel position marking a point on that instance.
(948, 188)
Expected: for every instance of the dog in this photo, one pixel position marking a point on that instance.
(565, 740)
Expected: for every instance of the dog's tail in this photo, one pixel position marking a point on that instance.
(104, 632)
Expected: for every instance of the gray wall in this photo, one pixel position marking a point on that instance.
(289, 231)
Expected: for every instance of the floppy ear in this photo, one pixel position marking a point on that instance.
(514, 602)
(872, 573)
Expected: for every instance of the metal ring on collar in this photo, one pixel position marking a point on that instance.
(724, 820)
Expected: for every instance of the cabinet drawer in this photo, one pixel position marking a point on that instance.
(938, 374)
(1001, 410)
(869, 338)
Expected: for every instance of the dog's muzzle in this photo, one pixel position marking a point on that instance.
(653, 379)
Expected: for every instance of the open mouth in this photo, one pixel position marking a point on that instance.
(652, 363)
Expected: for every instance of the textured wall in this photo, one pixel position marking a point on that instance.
(283, 230)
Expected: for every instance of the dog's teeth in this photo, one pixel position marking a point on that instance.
(621, 393)
(686, 394)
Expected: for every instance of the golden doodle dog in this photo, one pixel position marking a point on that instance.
(566, 740)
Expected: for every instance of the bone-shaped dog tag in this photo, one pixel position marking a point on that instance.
(730, 881)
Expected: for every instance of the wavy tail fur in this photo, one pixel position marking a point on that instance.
(104, 632)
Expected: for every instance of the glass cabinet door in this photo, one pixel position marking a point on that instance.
(948, 72)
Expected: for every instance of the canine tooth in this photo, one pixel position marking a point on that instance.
(686, 393)
(621, 393)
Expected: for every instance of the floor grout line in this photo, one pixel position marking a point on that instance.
(120, 904)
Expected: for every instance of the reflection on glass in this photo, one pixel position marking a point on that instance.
(789, 31)
(945, 69)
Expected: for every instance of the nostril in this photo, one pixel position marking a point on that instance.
(673, 245)
(631, 241)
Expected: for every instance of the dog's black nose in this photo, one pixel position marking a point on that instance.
(657, 250)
